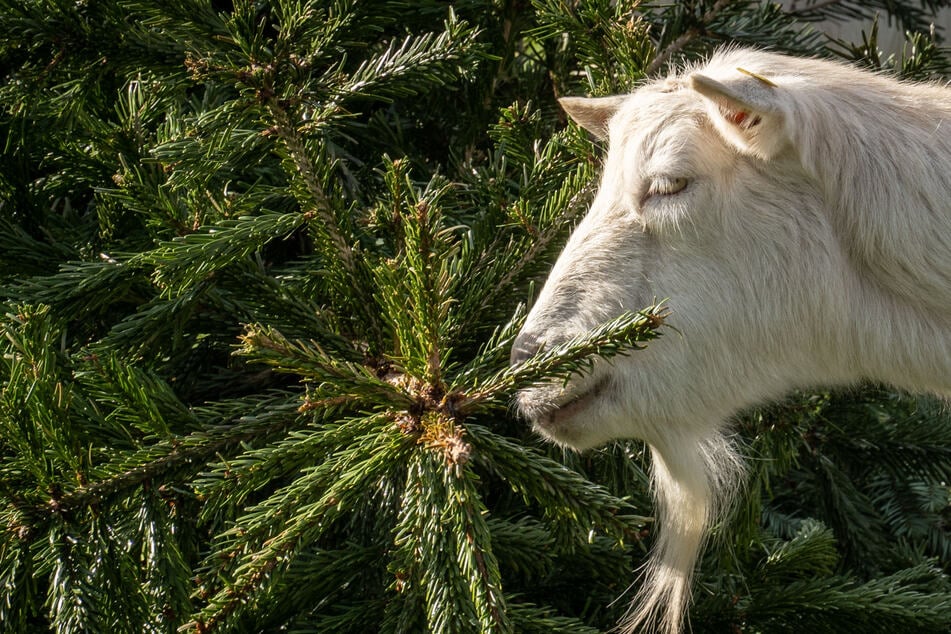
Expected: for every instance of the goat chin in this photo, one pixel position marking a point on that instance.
(695, 480)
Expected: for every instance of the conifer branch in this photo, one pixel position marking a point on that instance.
(426, 57)
(318, 204)
(165, 461)
(563, 493)
(541, 241)
(191, 259)
(619, 336)
(298, 515)
(308, 359)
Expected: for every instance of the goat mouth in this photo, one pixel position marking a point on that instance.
(559, 413)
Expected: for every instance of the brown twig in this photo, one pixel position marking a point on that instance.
(688, 36)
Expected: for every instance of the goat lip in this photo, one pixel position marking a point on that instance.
(564, 411)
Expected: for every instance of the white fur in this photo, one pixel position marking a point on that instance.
(811, 246)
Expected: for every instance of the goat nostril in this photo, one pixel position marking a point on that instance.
(524, 347)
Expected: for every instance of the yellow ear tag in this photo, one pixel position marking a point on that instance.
(756, 76)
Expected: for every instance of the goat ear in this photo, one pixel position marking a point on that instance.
(592, 113)
(746, 110)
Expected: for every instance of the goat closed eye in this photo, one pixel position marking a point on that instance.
(664, 186)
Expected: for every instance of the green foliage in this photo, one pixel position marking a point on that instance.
(261, 265)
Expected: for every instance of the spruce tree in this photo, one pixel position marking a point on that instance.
(261, 264)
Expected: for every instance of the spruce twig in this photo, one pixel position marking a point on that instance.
(619, 336)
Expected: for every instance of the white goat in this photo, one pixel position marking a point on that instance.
(797, 214)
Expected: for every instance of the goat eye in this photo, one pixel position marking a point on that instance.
(665, 186)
